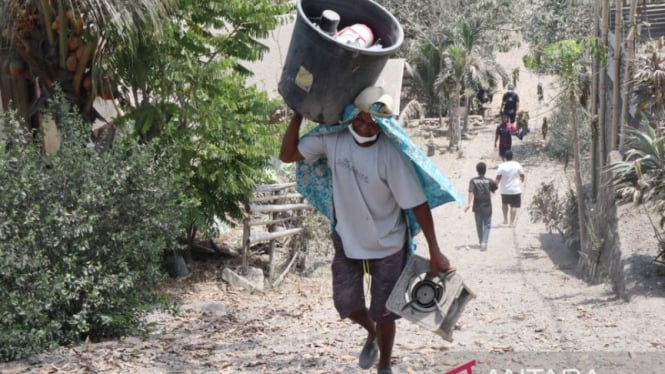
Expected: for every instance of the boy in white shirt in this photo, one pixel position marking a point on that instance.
(510, 177)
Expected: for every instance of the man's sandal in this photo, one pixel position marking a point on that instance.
(369, 354)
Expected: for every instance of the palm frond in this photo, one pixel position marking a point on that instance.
(640, 176)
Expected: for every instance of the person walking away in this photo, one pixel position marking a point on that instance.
(484, 96)
(509, 177)
(510, 103)
(503, 135)
(372, 184)
(481, 189)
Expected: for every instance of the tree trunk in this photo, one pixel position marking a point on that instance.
(17, 93)
(628, 72)
(602, 88)
(595, 165)
(465, 124)
(616, 89)
(453, 120)
(579, 190)
(5, 87)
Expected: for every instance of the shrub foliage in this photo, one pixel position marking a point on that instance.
(556, 212)
(82, 235)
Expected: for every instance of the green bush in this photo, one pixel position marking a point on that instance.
(557, 213)
(560, 138)
(82, 235)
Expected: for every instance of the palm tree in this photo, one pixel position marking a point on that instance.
(649, 79)
(450, 82)
(480, 69)
(424, 65)
(68, 43)
(437, 77)
(466, 71)
(449, 70)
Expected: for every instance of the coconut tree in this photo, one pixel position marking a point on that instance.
(68, 43)
(479, 70)
(424, 65)
(449, 69)
(463, 74)
(438, 76)
(449, 82)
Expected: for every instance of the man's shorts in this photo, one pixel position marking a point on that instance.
(511, 113)
(348, 282)
(502, 151)
(514, 201)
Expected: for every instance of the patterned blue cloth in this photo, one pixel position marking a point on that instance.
(314, 178)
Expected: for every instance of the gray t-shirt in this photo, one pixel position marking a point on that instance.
(371, 187)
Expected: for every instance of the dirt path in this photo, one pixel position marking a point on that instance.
(529, 300)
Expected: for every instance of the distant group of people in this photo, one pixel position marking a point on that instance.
(510, 104)
(509, 176)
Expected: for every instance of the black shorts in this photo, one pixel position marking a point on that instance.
(502, 151)
(511, 113)
(514, 201)
(348, 282)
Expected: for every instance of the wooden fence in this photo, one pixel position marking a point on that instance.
(276, 211)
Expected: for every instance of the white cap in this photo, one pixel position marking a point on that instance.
(375, 95)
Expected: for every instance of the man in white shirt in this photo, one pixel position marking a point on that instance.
(510, 177)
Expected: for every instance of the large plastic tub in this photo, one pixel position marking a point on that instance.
(321, 75)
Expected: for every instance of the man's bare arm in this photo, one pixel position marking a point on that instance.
(469, 203)
(438, 261)
(289, 150)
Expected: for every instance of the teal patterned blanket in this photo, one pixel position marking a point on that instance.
(314, 178)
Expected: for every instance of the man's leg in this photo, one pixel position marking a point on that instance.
(385, 273)
(478, 217)
(504, 209)
(362, 318)
(487, 225)
(514, 208)
(513, 216)
(349, 300)
(385, 334)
